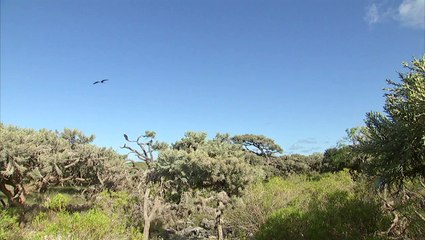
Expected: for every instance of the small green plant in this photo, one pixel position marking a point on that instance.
(58, 202)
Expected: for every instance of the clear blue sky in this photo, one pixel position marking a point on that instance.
(299, 72)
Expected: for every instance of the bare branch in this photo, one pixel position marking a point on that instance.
(420, 215)
(422, 183)
(72, 164)
(65, 179)
(100, 179)
(138, 154)
(150, 152)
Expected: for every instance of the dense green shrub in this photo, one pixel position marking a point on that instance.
(260, 201)
(33, 161)
(394, 142)
(287, 207)
(196, 162)
(339, 216)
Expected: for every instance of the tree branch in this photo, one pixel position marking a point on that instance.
(72, 164)
(420, 215)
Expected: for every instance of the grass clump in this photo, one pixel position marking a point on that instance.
(93, 224)
(101, 221)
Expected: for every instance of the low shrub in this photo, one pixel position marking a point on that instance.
(321, 206)
(58, 202)
(260, 201)
(338, 216)
(9, 226)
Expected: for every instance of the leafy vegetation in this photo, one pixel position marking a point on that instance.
(58, 185)
(9, 225)
(324, 208)
(306, 207)
(93, 224)
(395, 144)
(39, 159)
(396, 141)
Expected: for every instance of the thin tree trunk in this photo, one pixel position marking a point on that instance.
(219, 221)
(148, 217)
(146, 229)
(147, 221)
(220, 230)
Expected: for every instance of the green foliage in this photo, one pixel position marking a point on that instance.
(93, 224)
(58, 202)
(44, 158)
(121, 204)
(337, 216)
(258, 144)
(396, 141)
(113, 201)
(395, 144)
(75, 137)
(198, 170)
(281, 205)
(336, 159)
(344, 155)
(108, 218)
(294, 164)
(196, 162)
(191, 141)
(72, 194)
(9, 226)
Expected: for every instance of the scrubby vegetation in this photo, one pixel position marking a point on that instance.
(58, 185)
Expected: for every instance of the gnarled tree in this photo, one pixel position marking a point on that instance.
(145, 183)
(258, 144)
(216, 166)
(39, 159)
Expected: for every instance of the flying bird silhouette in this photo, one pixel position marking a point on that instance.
(101, 81)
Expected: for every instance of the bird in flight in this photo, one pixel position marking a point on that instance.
(101, 81)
